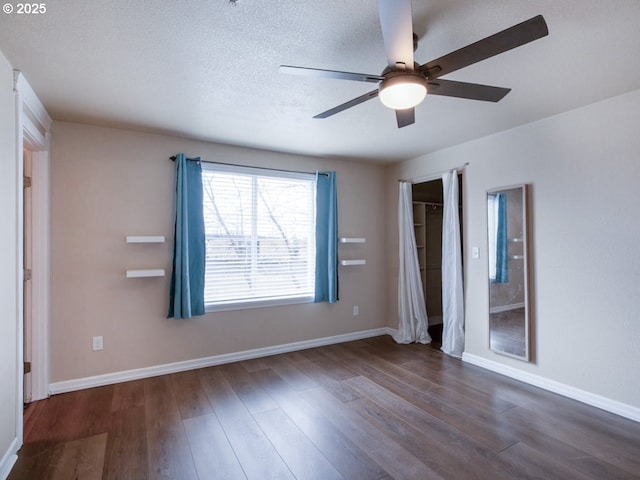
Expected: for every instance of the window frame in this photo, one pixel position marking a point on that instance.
(276, 300)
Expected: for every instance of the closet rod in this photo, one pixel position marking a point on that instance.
(173, 159)
(433, 176)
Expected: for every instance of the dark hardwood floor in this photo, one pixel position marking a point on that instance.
(368, 409)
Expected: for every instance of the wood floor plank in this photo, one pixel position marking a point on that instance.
(81, 459)
(460, 411)
(309, 354)
(32, 417)
(417, 372)
(126, 451)
(461, 375)
(319, 373)
(551, 447)
(255, 364)
(37, 460)
(299, 453)
(93, 415)
(596, 469)
(398, 403)
(254, 451)
(211, 449)
(290, 373)
(407, 424)
(622, 455)
(128, 395)
(607, 424)
(189, 393)
(388, 350)
(168, 452)
(158, 396)
(347, 457)
(254, 398)
(338, 370)
(400, 463)
(75, 415)
(534, 465)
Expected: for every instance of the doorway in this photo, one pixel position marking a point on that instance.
(33, 144)
(428, 203)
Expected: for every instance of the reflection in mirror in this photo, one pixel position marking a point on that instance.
(507, 256)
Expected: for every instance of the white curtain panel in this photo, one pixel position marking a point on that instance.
(412, 311)
(452, 300)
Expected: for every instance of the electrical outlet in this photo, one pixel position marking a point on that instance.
(97, 344)
(356, 310)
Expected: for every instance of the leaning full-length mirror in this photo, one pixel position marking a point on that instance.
(507, 256)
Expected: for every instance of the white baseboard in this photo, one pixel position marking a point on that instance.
(127, 375)
(9, 459)
(604, 403)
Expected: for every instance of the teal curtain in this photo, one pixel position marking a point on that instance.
(326, 238)
(186, 291)
(502, 261)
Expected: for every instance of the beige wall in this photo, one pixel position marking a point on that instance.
(8, 261)
(109, 183)
(583, 167)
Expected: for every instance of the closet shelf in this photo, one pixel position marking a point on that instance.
(157, 272)
(145, 239)
(346, 263)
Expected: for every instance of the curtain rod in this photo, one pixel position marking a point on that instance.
(173, 159)
(433, 176)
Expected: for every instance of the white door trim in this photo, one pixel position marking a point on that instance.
(40, 251)
(33, 126)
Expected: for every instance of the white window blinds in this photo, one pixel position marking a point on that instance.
(260, 235)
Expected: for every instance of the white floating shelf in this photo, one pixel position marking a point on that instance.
(347, 263)
(352, 240)
(158, 272)
(145, 239)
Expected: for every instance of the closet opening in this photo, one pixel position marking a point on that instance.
(428, 200)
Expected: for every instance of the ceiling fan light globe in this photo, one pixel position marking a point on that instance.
(402, 92)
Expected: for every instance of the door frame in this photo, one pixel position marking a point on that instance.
(33, 126)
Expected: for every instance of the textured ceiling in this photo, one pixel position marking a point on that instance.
(209, 69)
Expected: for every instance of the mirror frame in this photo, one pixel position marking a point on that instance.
(526, 256)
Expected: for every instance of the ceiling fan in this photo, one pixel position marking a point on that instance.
(404, 84)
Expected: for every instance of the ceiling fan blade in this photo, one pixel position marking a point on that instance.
(397, 31)
(349, 104)
(512, 37)
(473, 91)
(318, 72)
(405, 117)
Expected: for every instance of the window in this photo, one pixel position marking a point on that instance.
(260, 234)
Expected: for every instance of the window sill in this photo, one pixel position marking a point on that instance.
(247, 304)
